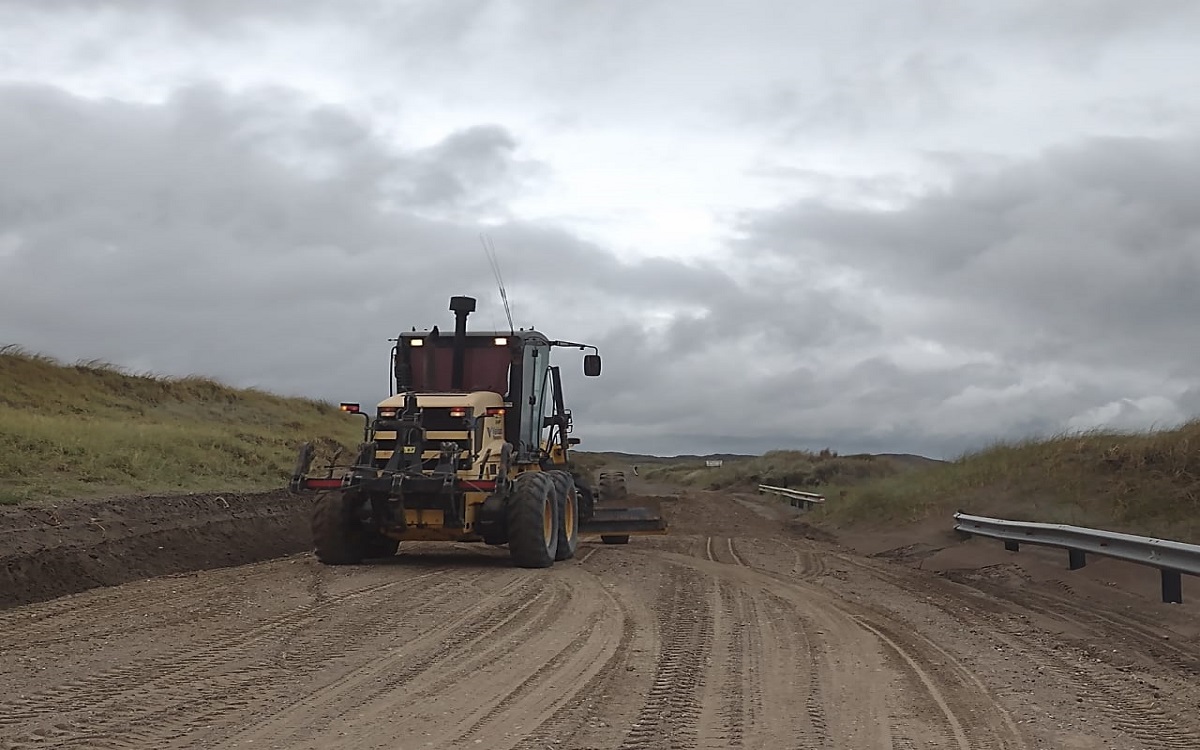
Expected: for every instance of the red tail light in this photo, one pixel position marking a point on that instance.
(458, 412)
(495, 411)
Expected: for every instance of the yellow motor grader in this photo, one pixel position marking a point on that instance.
(473, 445)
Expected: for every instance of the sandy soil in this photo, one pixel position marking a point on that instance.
(53, 549)
(733, 631)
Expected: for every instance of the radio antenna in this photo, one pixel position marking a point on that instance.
(489, 249)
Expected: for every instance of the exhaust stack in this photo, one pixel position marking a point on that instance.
(461, 307)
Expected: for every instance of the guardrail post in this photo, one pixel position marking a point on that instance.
(1172, 587)
(1077, 558)
(1012, 546)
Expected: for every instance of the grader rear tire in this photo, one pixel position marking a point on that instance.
(568, 514)
(533, 521)
(339, 537)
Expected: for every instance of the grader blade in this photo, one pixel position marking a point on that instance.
(622, 521)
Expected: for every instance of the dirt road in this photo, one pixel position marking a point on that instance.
(734, 631)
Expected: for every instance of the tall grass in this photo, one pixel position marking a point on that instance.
(1146, 483)
(92, 429)
(796, 469)
(1139, 482)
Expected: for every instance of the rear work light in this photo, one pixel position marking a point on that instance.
(456, 412)
(501, 341)
(389, 411)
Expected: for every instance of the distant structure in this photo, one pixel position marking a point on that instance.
(713, 463)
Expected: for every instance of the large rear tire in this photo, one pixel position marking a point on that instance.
(339, 537)
(533, 520)
(568, 515)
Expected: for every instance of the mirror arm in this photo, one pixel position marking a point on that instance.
(573, 345)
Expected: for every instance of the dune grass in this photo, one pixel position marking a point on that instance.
(1146, 483)
(92, 429)
(1138, 482)
(796, 469)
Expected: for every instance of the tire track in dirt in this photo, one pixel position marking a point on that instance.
(956, 712)
(733, 555)
(785, 639)
(375, 678)
(670, 714)
(102, 614)
(181, 682)
(522, 673)
(566, 671)
(732, 700)
(963, 712)
(703, 641)
(1129, 704)
(1125, 626)
(1130, 707)
(765, 685)
(572, 717)
(806, 564)
(721, 719)
(791, 643)
(231, 691)
(952, 733)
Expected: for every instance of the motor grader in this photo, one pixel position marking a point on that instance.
(472, 445)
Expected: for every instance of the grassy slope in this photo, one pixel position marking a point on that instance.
(797, 469)
(90, 429)
(1146, 483)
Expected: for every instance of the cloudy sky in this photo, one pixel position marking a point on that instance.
(916, 227)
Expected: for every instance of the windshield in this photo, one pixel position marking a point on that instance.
(485, 365)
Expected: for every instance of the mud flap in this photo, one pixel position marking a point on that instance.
(613, 520)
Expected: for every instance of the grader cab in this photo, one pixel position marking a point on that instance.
(473, 445)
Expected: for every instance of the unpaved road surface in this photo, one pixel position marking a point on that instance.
(733, 632)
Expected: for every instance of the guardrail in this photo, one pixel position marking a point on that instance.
(796, 498)
(1170, 557)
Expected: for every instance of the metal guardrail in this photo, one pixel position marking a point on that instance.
(1170, 557)
(796, 498)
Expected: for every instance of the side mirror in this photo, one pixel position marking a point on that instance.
(573, 441)
(591, 365)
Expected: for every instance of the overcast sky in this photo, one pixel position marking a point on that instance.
(912, 227)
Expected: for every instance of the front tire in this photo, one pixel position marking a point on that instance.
(533, 520)
(568, 514)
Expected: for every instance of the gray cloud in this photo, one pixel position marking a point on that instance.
(980, 220)
(1066, 282)
(1090, 245)
(271, 243)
